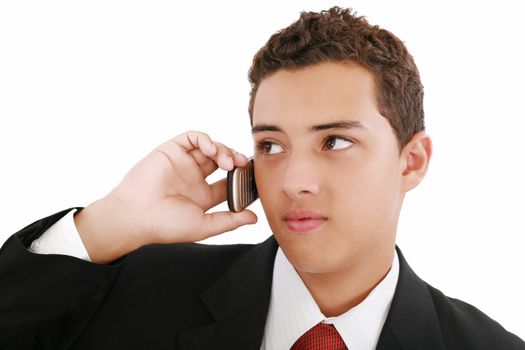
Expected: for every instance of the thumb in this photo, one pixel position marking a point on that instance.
(224, 221)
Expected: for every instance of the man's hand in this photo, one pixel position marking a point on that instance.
(164, 199)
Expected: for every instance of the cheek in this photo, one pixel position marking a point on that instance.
(365, 196)
(267, 188)
(262, 180)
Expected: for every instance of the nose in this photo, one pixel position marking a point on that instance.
(300, 180)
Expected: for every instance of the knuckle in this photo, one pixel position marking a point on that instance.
(191, 131)
(225, 149)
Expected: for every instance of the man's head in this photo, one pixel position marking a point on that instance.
(338, 35)
(337, 117)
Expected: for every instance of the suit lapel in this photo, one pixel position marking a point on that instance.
(238, 302)
(412, 322)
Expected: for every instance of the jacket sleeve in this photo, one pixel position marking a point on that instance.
(47, 300)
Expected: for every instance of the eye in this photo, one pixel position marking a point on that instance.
(266, 147)
(337, 143)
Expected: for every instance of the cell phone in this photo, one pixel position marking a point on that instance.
(242, 190)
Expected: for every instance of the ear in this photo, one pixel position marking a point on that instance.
(415, 158)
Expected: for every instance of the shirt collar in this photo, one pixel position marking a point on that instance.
(293, 311)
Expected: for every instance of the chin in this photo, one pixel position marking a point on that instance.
(310, 259)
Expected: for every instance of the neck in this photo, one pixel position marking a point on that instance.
(338, 291)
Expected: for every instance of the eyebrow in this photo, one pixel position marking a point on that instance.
(349, 125)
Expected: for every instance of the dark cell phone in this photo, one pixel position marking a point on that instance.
(242, 190)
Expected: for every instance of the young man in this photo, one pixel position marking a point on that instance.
(337, 120)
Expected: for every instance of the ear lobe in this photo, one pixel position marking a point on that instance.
(416, 154)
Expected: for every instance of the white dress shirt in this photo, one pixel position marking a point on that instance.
(292, 310)
(61, 238)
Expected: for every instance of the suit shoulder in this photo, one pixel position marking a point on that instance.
(182, 261)
(465, 327)
(190, 254)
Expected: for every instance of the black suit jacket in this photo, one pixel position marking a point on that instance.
(194, 296)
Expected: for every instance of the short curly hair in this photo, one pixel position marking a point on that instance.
(339, 35)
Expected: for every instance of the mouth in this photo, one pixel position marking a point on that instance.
(304, 225)
(303, 220)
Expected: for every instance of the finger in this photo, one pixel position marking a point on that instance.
(199, 157)
(231, 157)
(180, 160)
(239, 159)
(195, 139)
(224, 156)
(221, 154)
(224, 221)
(183, 153)
(206, 164)
(218, 193)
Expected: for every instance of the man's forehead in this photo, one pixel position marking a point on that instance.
(322, 94)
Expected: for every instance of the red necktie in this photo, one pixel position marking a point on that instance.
(323, 336)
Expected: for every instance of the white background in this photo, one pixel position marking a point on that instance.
(89, 88)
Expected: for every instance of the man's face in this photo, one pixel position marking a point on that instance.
(350, 174)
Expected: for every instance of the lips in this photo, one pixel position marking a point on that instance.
(302, 214)
(301, 220)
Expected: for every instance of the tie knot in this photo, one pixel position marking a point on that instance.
(322, 336)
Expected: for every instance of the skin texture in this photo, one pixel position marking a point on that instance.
(164, 198)
(356, 177)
